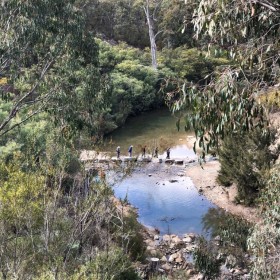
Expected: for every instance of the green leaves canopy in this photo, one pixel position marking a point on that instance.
(248, 32)
(50, 61)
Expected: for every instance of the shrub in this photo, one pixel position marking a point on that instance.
(265, 238)
(230, 229)
(245, 160)
(206, 259)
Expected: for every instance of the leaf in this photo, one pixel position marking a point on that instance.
(268, 48)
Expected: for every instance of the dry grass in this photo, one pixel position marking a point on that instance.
(271, 99)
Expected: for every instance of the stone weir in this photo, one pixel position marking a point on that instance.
(104, 157)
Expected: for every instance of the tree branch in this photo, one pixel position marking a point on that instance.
(16, 108)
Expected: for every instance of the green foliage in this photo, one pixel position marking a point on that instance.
(248, 31)
(46, 229)
(224, 105)
(134, 84)
(225, 100)
(129, 235)
(264, 240)
(231, 230)
(60, 74)
(113, 265)
(172, 18)
(271, 99)
(190, 64)
(119, 20)
(124, 20)
(245, 160)
(206, 259)
(20, 197)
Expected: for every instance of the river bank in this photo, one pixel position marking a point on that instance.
(204, 179)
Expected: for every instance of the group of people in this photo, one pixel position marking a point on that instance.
(155, 154)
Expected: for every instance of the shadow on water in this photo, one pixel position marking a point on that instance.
(229, 228)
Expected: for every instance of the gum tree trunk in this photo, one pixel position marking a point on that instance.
(150, 22)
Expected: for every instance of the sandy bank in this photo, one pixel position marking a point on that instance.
(205, 181)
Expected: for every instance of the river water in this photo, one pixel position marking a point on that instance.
(165, 199)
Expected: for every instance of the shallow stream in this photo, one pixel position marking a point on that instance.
(165, 199)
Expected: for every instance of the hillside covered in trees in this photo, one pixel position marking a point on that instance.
(73, 71)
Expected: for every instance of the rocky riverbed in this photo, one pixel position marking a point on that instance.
(172, 255)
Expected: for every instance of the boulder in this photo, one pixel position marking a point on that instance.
(173, 257)
(147, 159)
(103, 160)
(231, 261)
(150, 243)
(115, 159)
(150, 248)
(166, 267)
(179, 260)
(166, 238)
(176, 240)
(190, 272)
(187, 239)
(126, 159)
(173, 181)
(154, 252)
(156, 237)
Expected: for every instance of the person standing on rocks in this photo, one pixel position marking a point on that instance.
(130, 151)
(118, 150)
(168, 153)
(144, 151)
(156, 152)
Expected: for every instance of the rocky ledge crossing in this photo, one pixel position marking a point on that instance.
(170, 254)
(103, 157)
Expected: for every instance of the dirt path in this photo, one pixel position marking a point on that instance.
(205, 181)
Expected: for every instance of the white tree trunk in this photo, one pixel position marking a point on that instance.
(150, 22)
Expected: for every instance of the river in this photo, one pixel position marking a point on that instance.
(165, 199)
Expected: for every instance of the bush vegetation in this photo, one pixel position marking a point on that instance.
(246, 159)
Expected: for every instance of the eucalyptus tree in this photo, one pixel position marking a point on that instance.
(248, 33)
(50, 62)
(151, 14)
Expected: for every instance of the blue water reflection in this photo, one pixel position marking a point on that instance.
(173, 207)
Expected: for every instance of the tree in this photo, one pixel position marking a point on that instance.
(265, 236)
(151, 18)
(50, 62)
(248, 32)
(247, 165)
(56, 221)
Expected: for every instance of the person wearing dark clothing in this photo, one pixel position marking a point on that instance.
(130, 151)
(156, 152)
(168, 153)
(118, 150)
(144, 151)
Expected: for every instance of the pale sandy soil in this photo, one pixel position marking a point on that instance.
(223, 197)
(205, 180)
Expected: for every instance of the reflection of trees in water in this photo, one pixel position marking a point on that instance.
(167, 220)
(231, 229)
